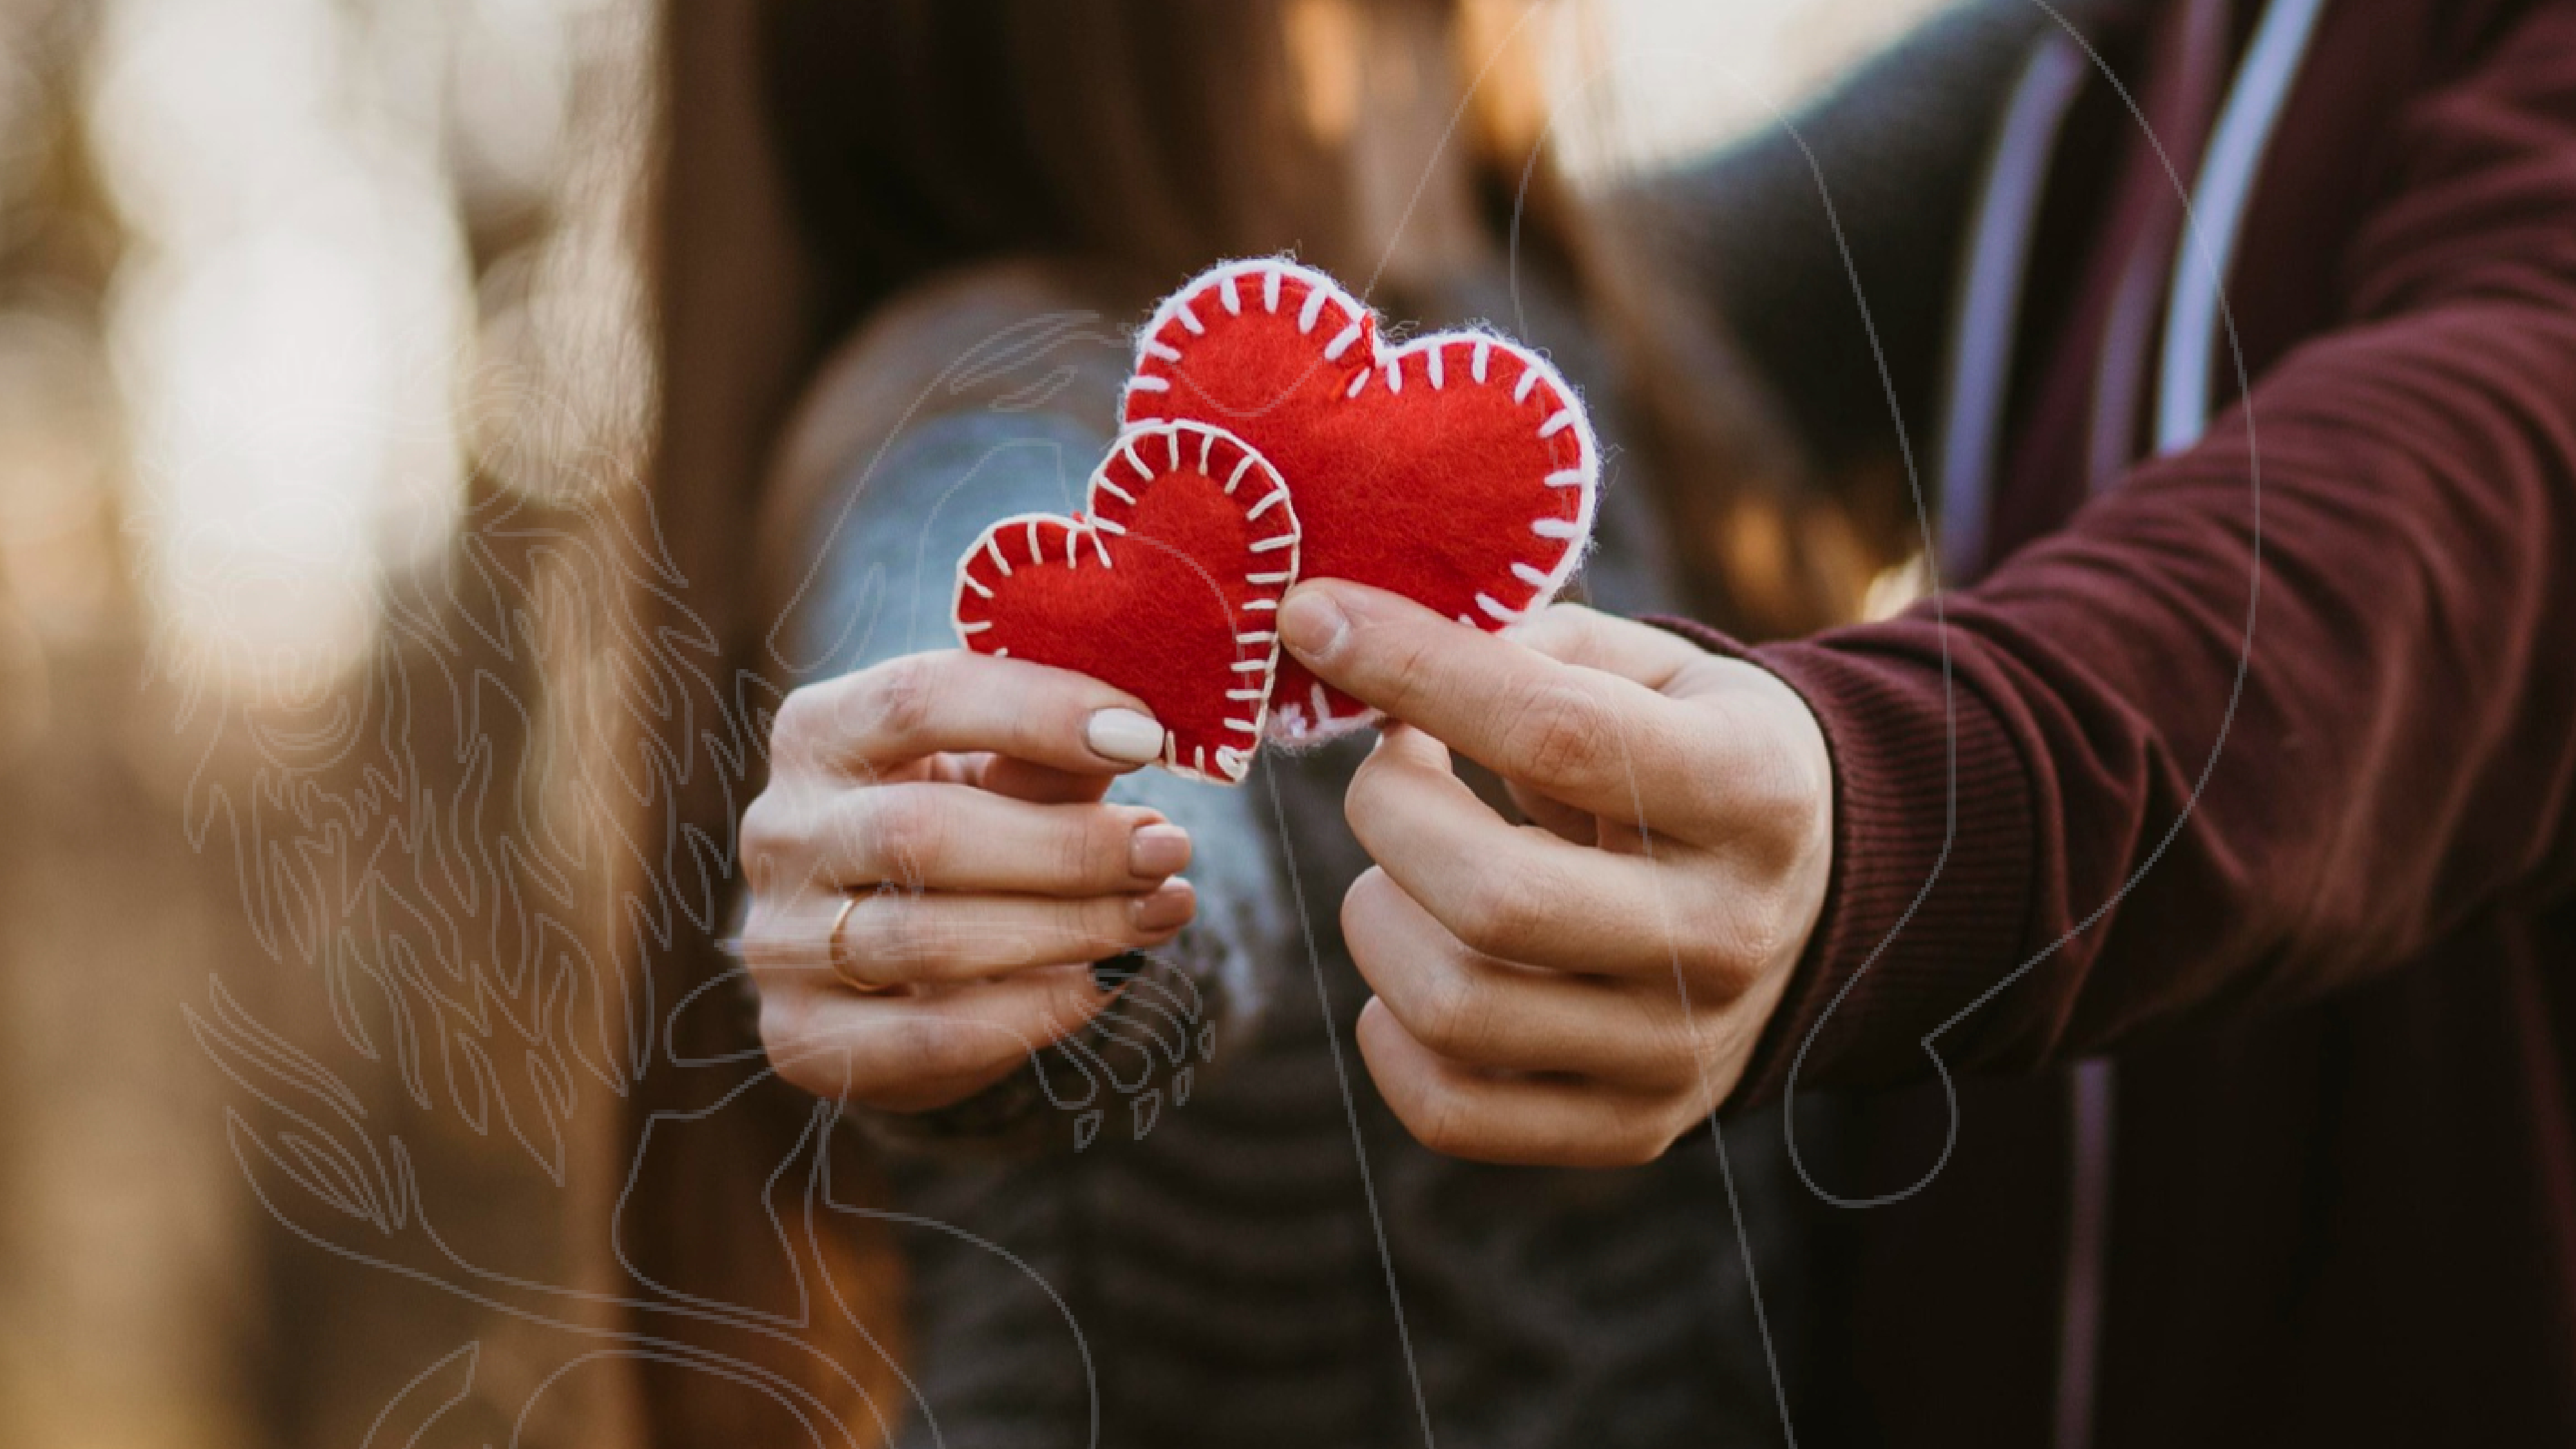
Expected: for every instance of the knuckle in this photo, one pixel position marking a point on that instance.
(1364, 907)
(1777, 785)
(760, 823)
(1498, 913)
(1375, 792)
(1408, 654)
(781, 1019)
(1748, 937)
(1443, 1123)
(792, 1051)
(1765, 935)
(902, 695)
(1401, 668)
(1101, 925)
(1776, 791)
(1456, 1017)
(1359, 797)
(798, 721)
(900, 833)
(768, 836)
(1674, 1040)
(1801, 776)
(1685, 1113)
(1647, 1138)
(1092, 851)
(1560, 734)
(892, 934)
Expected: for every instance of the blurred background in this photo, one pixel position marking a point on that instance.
(326, 377)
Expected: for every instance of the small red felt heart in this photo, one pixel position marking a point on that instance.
(1457, 469)
(1167, 587)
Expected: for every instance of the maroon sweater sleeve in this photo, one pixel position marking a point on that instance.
(2014, 866)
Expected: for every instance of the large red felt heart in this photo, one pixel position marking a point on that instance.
(1167, 586)
(1457, 469)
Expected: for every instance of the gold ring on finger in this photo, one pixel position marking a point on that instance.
(832, 944)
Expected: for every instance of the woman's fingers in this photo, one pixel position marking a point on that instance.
(1473, 1009)
(933, 836)
(1508, 891)
(894, 938)
(1504, 1118)
(865, 723)
(916, 1053)
(1037, 784)
(956, 838)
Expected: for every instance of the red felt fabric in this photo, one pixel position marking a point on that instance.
(1457, 469)
(1168, 587)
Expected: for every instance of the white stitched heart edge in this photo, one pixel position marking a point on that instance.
(1042, 538)
(1235, 285)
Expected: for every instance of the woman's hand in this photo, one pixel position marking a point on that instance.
(933, 873)
(1582, 990)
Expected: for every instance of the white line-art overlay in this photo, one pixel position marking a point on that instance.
(429, 849)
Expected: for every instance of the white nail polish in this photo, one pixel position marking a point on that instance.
(1124, 735)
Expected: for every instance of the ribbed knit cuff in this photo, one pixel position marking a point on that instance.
(1919, 916)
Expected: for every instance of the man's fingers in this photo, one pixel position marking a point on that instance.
(1504, 1118)
(1573, 634)
(914, 1053)
(954, 838)
(1580, 827)
(1592, 739)
(954, 700)
(1473, 1009)
(1510, 891)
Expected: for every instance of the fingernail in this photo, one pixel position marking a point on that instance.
(1311, 623)
(1158, 850)
(1111, 976)
(1124, 735)
(1166, 906)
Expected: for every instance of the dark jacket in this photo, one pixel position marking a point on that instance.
(2317, 911)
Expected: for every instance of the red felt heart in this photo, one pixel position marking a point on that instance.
(1457, 469)
(1167, 586)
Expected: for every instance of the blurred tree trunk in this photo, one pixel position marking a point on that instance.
(125, 1261)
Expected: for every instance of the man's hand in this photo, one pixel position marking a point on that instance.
(1583, 989)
